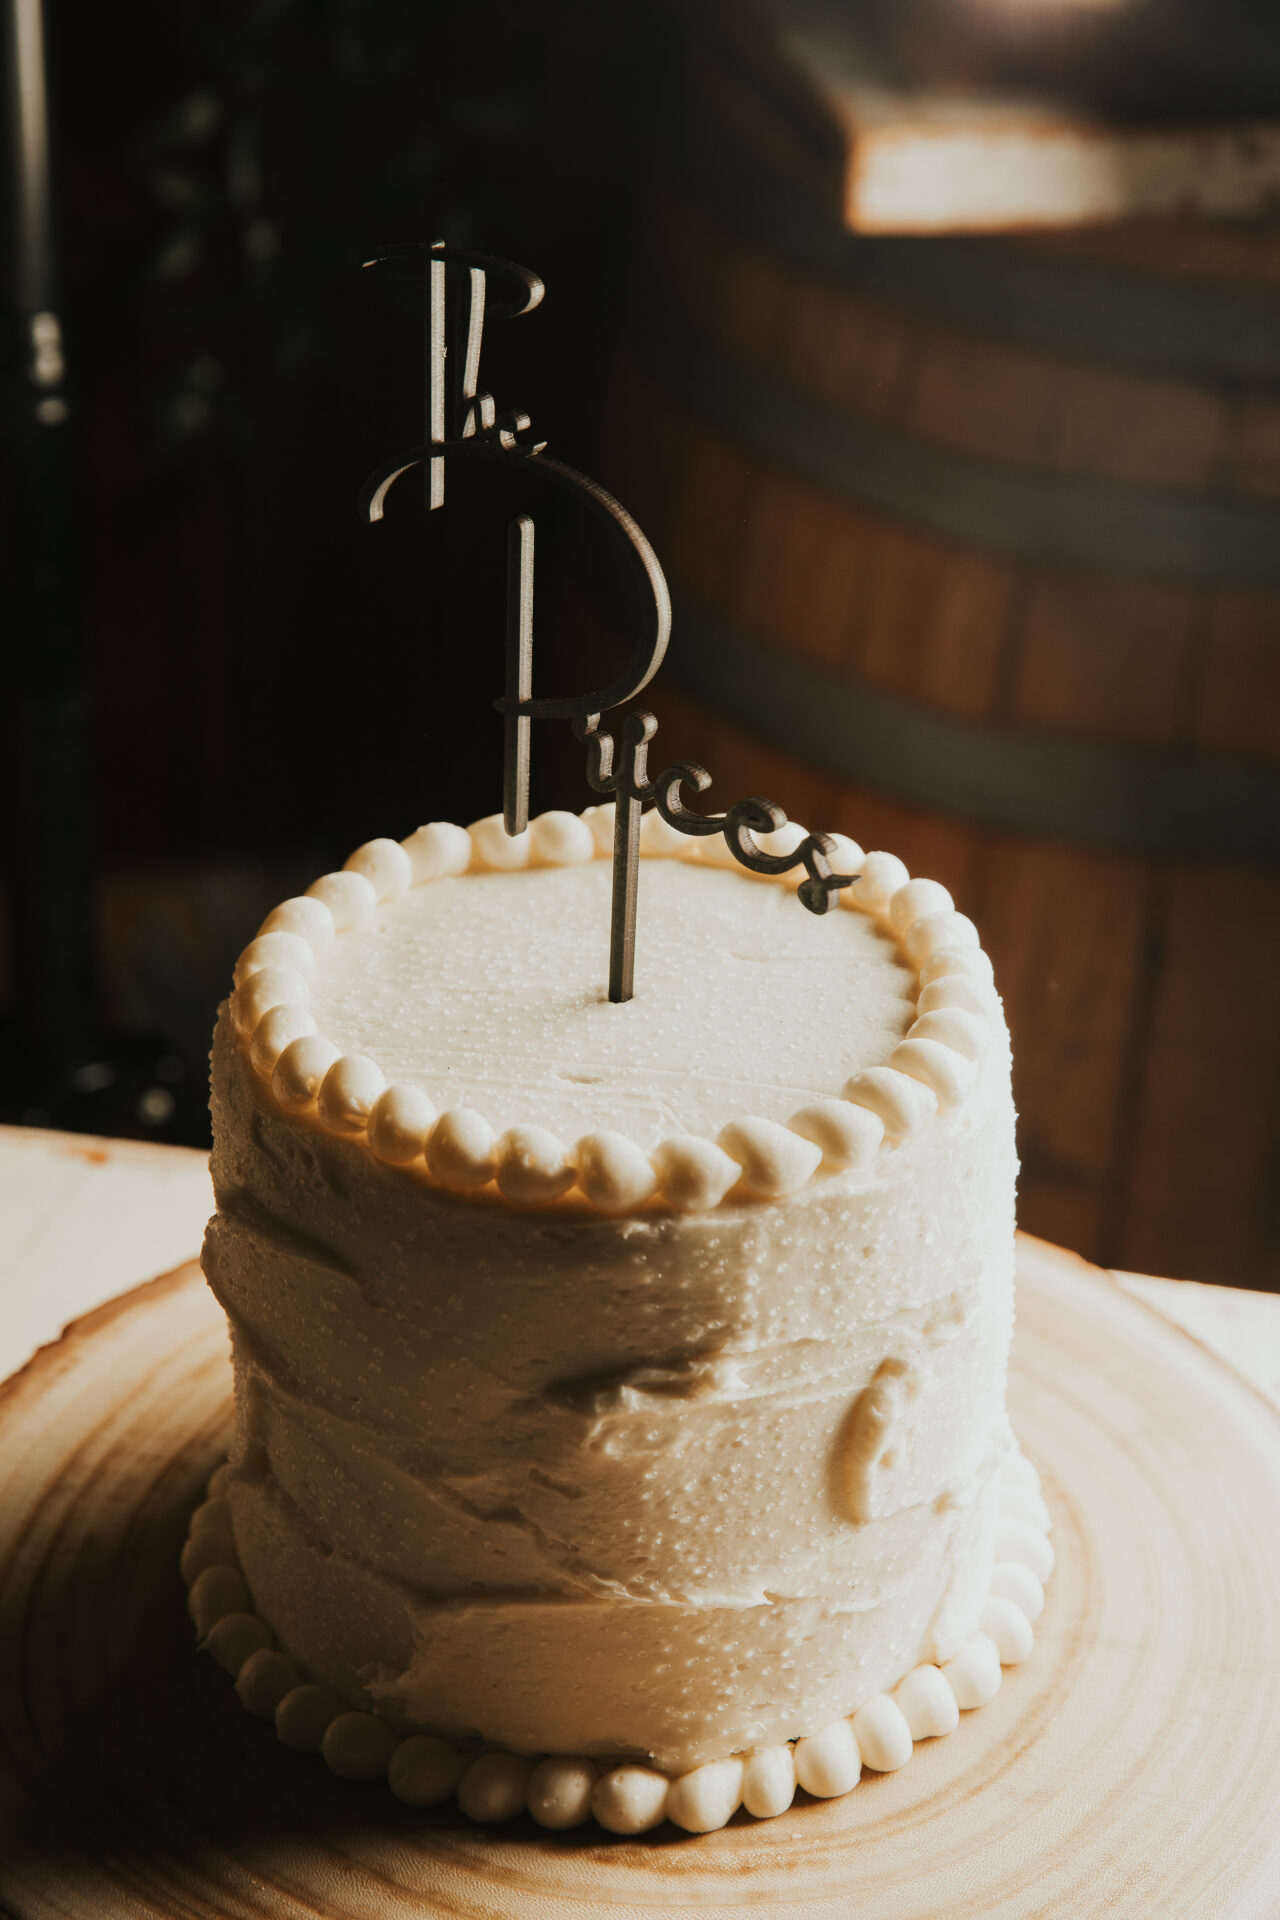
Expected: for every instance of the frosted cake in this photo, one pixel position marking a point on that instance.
(620, 1390)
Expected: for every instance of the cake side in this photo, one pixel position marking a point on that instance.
(669, 1484)
(494, 1784)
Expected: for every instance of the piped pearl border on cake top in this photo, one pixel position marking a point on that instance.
(492, 1784)
(931, 1071)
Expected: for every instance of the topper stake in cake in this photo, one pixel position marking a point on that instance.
(461, 421)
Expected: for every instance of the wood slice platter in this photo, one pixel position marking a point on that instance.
(1131, 1767)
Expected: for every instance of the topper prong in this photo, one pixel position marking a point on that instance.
(626, 886)
(519, 677)
(631, 789)
(437, 293)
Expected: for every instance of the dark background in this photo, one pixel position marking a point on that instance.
(269, 680)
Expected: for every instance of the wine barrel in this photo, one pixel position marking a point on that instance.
(975, 553)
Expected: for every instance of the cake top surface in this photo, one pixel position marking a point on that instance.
(488, 990)
(442, 1000)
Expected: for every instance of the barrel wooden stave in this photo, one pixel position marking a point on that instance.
(1240, 694)
(1111, 659)
(854, 590)
(1202, 1180)
(956, 387)
(1258, 447)
(1069, 931)
(1244, 253)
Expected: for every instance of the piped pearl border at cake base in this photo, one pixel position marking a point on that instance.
(931, 1071)
(493, 1785)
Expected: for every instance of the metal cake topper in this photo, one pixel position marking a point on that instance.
(463, 423)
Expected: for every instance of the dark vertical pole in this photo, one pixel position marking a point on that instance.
(631, 780)
(626, 881)
(437, 321)
(52, 878)
(519, 679)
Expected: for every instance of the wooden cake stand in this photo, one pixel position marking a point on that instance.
(1130, 1767)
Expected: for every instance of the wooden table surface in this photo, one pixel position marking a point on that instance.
(85, 1219)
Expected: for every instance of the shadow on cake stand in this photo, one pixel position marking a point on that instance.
(1130, 1767)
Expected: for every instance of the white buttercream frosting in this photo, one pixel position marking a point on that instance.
(426, 988)
(622, 1383)
(562, 1791)
(488, 991)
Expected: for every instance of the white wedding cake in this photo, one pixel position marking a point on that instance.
(620, 1389)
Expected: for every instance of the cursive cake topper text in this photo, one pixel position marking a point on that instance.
(461, 422)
